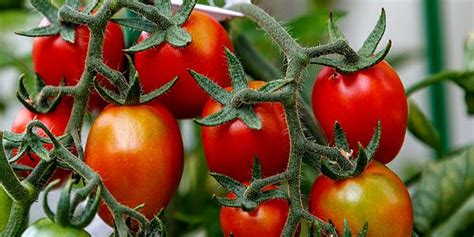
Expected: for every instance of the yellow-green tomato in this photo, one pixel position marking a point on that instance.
(47, 228)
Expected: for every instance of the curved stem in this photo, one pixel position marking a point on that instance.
(18, 220)
(440, 77)
(270, 26)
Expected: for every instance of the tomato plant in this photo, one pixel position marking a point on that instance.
(205, 54)
(231, 148)
(138, 152)
(47, 228)
(357, 101)
(55, 59)
(268, 219)
(55, 120)
(377, 196)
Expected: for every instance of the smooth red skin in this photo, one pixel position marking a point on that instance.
(205, 55)
(231, 148)
(56, 121)
(55, 58)
(138, 152)
(357, 101)
(268, 219)
(377, 196)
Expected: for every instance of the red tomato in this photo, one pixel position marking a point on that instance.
(56, 121)
(205, 55)
(357, 101)
(377, 196)
(138, 152)
(268, 219)
(230, 148)
(55, 58)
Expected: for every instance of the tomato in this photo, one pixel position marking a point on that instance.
(268, 219)
(231, 148)
(357, 101)
(55, 59)
(56, 121)
(5, 207)
(159, 65)
(377, 196)
(138, 152)
(47, 228)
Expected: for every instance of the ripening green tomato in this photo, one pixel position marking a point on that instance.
(377, 196)
(5, 206)
(47, 228)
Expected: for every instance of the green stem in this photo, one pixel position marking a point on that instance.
(437, 78)
(281, 37)
(18, 219)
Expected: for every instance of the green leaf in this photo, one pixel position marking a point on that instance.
(444, 187)
(421, 127)
(178, 36)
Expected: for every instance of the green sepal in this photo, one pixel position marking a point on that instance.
(157, 226)
(361, 161)
(90, 6)
(230, 110)
(348, 60)
(421, 127)
(346, 231)
(183, 13)
(229, 184)
(67, 206)
(68, 33)
(363, 232)
(47, 9)
(370, 44)
(31, 101)
(164, 7)
(133, 93)
(177, 36)
(12, 137)
(275, 85)
(256, 169)
(468, 83)
(154, 40)
(40, 31)
(340, 138)
(140, 24)
(36, 146)
(374, 141)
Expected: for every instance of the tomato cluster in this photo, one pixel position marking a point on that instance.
(137, 150)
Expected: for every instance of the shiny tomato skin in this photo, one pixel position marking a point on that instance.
(357, 101)
(230, 148)
(55, 59)
(377, 196)
(56, 121)
(138, 152)
(268, 219)
(205, 55)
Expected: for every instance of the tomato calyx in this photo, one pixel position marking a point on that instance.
(132, 94)
(346, 166)
(160, 22)
(234, 103)
(57, 25)
(67, 205)
(352, 61)
(32, 97)
(247, 197)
